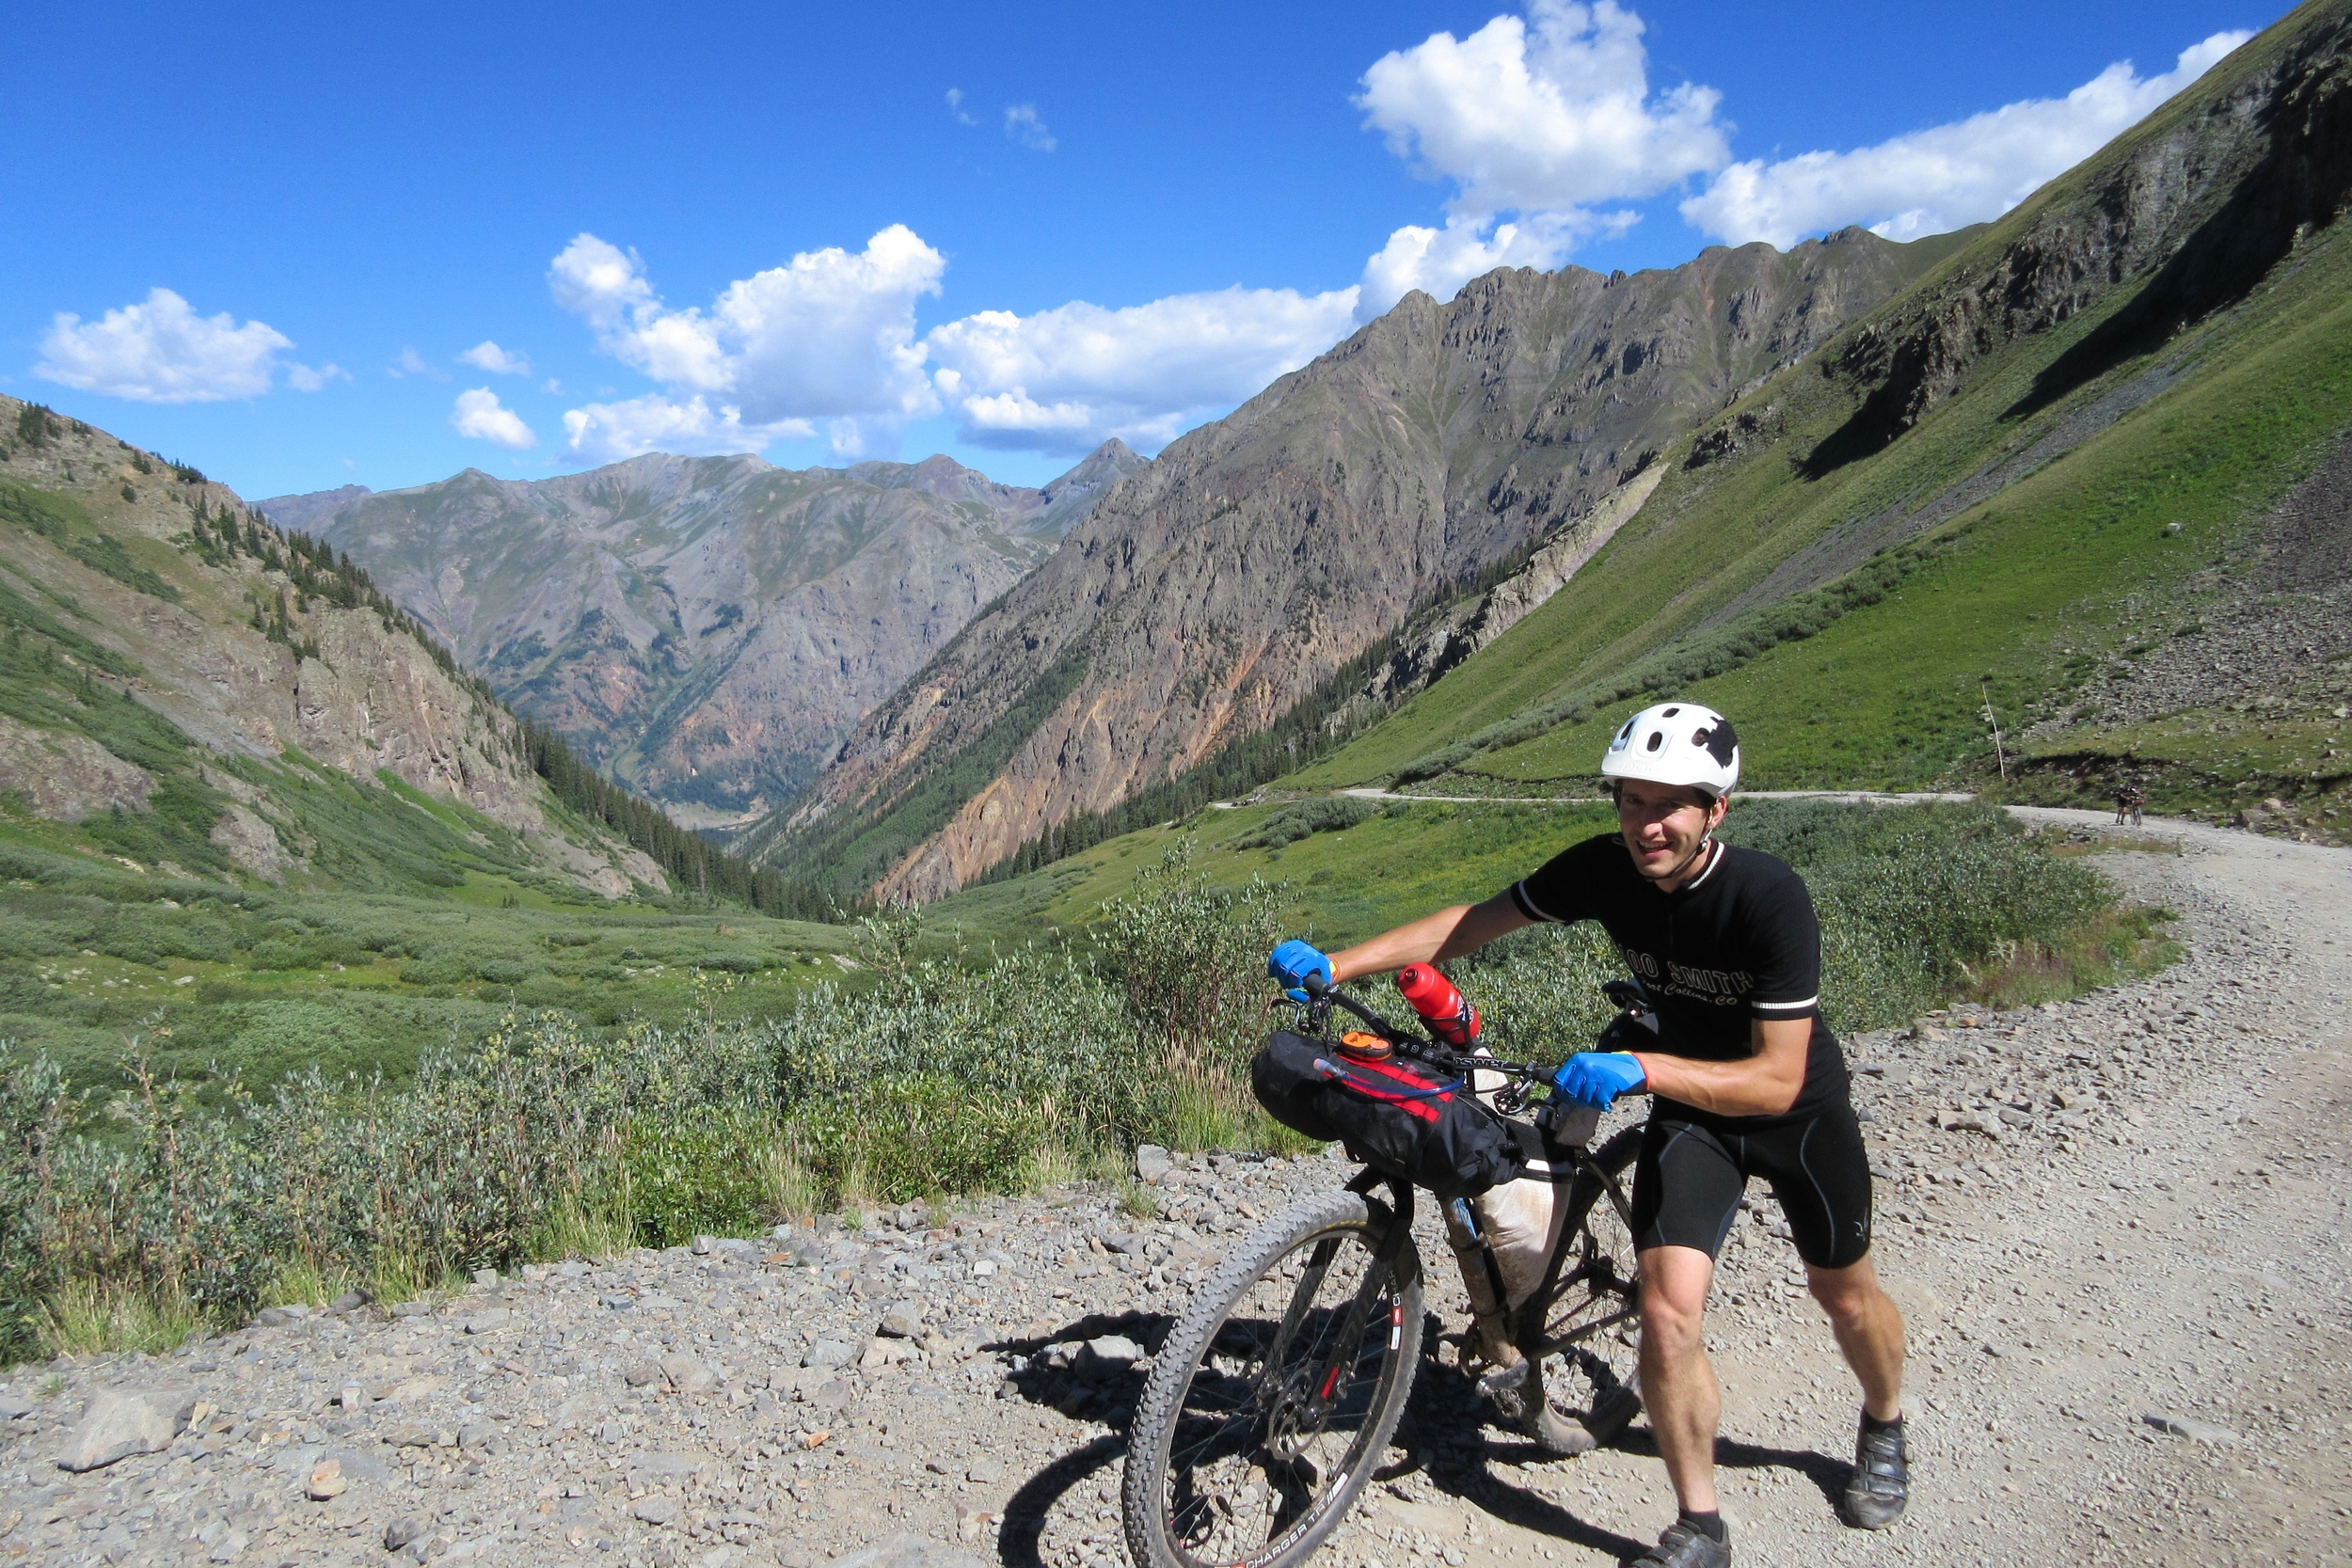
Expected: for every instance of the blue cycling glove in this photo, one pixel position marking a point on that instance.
(1597, 1077)
(1291, 962)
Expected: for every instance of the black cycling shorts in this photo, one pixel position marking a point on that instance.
(1688, 1182)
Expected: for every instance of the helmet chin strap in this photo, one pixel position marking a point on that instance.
(1706, 842)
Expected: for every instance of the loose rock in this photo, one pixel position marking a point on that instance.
(118, 1423)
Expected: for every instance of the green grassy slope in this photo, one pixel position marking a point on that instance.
(1340, 886)
(164, 874)
(216, 976)
(1877, 677)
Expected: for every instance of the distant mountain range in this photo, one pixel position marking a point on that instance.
(706, 630)
(1927, 446)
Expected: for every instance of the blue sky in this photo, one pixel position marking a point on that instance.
(1000, 231)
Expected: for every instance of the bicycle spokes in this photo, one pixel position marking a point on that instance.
(1278, 1403)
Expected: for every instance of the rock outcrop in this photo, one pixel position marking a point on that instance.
(2194, 208)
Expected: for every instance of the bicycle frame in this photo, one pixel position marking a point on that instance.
(1525, 1327)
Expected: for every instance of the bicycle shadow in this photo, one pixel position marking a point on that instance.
(1076, 1383)
(1445, 1436)
(1078, 1387)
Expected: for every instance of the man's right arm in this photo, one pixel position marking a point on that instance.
(1449, 933)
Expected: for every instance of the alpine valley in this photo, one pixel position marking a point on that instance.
(2079, 474)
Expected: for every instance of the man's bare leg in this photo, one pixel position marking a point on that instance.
(1678, 1384)
(1869, 1330)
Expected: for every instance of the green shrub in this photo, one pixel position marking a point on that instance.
(1333, 814)
(504, 972)
(700, 1172)
(961, 1075)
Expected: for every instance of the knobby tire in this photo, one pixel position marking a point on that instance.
(1219, 1472)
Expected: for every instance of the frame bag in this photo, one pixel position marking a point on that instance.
(1394, 1114)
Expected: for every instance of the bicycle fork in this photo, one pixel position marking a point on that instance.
(1295, 1412)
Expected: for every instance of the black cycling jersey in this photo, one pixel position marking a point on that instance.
(1738, 941)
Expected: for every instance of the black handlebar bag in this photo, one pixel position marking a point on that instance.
(1394, 1114)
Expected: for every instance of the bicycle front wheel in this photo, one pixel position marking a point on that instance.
(1272, 1401)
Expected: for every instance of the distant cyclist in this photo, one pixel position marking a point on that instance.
(1748, 1082)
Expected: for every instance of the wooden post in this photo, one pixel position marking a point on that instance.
(1993, 718)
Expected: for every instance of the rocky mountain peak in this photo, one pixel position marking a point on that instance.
(1206, 593)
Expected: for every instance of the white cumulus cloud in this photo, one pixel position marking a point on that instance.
(1067, 379)
(826, 345)
(1935, 179)
(409, 362)
(1542, 120)
(829, 336)
(1545, 114)
(1022, 126)
(480, 416)
(160, 351)
(609, 432)
(488, 355)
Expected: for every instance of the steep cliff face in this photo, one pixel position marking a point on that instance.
(704, 629)
(1258, 555)
(253, 678)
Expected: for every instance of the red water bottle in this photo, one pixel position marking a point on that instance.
(1449, 1018)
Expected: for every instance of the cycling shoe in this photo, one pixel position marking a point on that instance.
(1880, 1484)
(1682, 1546)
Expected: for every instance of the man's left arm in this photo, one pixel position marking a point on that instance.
(1784, 964)
(1765, 1085)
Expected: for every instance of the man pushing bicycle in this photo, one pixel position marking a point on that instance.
(1747, 1082)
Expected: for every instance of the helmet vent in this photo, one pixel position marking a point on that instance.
(1670, 713)
(1657, 738)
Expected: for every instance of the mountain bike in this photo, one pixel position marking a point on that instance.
(1274, 1398)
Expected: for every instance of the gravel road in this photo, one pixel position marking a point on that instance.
(2117, 1228)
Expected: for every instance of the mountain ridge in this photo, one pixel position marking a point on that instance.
(704, 629)
(1261, 554)
(202, 694)
(2076, 496)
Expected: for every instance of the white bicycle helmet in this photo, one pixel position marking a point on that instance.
(1677, 743)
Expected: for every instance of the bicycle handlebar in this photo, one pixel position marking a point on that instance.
(1320, 989)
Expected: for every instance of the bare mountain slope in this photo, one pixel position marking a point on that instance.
(1261, 554)
(193, 692)
(704, 629)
